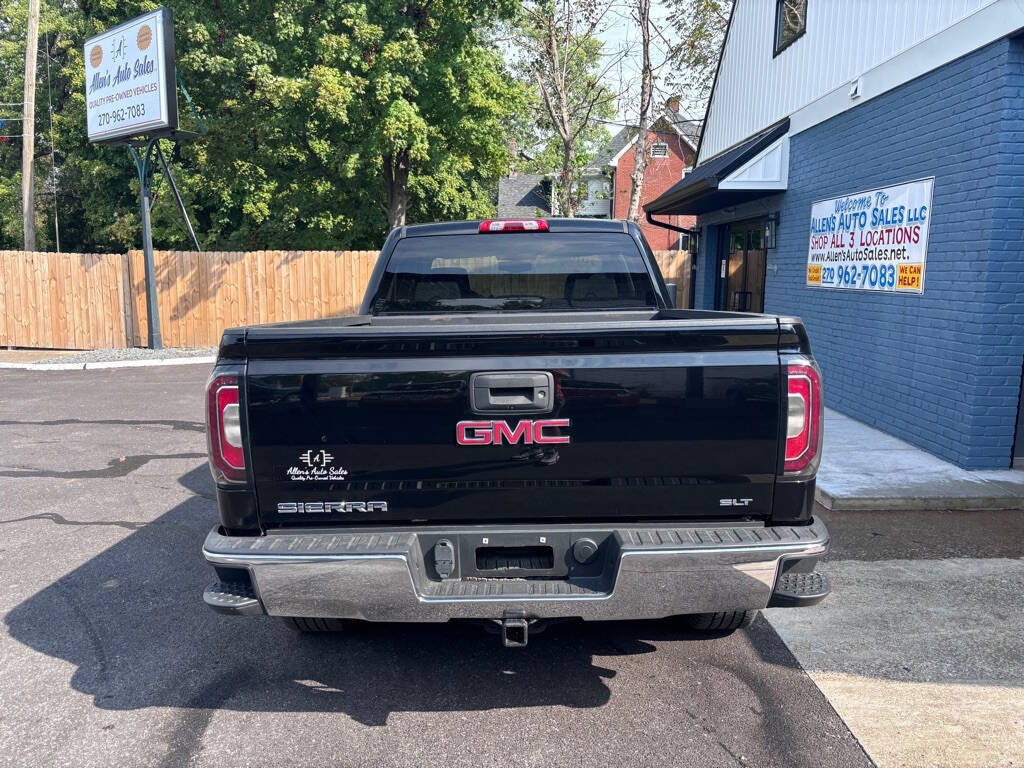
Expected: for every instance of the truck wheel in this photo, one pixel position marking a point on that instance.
(301, 624)
(722, 621)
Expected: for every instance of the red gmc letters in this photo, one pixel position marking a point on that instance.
(527, 431)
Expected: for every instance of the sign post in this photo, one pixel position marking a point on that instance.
(131, 99)
(143, 166)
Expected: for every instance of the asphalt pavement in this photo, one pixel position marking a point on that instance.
(109, 656)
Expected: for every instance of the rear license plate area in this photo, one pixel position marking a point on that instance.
(499, 559)
(514, 555)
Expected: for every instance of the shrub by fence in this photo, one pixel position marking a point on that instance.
(88, 301)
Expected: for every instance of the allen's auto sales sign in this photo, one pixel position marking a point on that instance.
(129, 78)
(872, 241)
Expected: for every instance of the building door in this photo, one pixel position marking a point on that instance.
(742, 269)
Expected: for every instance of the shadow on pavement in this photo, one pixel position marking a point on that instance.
(133, 623)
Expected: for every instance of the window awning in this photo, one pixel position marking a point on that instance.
(757, 167)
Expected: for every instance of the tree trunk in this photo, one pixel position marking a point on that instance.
(567, 181)
(643, 8)
(396, 179)
(28, 129)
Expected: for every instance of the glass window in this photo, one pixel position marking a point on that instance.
(756, 242)
(790, 22)
(515, 271)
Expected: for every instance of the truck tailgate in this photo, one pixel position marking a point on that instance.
(647, 419)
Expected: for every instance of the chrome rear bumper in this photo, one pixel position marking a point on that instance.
(382, 575)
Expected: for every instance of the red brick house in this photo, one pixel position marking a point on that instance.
(671, 150)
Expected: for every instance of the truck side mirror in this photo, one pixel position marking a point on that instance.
(671, 294)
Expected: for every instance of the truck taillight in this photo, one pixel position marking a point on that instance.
(803, 419)
(513, 225)
(224, 429)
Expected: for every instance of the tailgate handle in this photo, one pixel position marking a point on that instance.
(508, 392)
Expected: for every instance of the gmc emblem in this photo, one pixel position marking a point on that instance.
(527, 431)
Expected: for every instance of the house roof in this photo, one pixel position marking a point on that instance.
(521, 196)
(688, 131)
(609, 151)
(699, 192)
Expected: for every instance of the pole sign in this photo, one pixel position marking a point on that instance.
(872, 241)
(129, 78)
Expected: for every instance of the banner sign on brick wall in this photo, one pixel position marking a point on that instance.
(872, 241)
(129, 78)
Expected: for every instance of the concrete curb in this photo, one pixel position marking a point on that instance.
(917, 503)
(42, 366)
(866, 470)
(107, 364)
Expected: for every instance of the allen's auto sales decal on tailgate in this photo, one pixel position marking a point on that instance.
(316, 465)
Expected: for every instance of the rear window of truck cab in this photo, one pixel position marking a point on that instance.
(515, 271)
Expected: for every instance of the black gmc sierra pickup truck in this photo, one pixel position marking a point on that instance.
(517, 427)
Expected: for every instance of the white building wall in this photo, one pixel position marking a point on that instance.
(598, 200)
(843, 40)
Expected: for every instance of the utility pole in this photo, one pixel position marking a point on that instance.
(53, 147)
(28, 145)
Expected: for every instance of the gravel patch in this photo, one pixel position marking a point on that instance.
(119, 355)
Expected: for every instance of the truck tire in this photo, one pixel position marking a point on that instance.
(300, 624)
(722, 621)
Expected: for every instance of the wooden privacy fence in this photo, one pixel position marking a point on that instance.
(675, 268)
(201, 294)
(89, 301)
(63, 300)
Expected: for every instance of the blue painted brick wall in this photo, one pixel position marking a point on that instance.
(942, 370)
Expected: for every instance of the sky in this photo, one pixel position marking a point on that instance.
(621, 38)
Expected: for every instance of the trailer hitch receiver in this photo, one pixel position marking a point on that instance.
(515, 632)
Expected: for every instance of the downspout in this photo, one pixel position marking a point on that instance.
(666, 225)
(691, 233)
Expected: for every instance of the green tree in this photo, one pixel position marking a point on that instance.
(359, 114)
(561, 54)
(88, 188)
(700, 27)
(327, 122)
